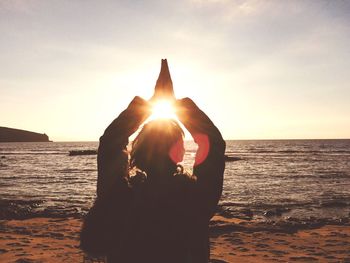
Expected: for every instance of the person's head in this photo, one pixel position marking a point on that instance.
(158, 147)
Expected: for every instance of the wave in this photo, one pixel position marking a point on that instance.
(74, 170)
(33, 153)
(335, 204)
(24, 209)
(230, 158)
(298, 151)
(82, 152)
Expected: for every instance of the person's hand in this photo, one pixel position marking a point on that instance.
(164, 86)
(192, 117)
(129, 120)
(135, 114)
(185, 108)
(139, 105)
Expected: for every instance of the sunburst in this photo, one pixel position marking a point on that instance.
(163, 109)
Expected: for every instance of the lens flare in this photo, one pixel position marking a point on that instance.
(163, 109)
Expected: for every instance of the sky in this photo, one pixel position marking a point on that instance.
(259, 69)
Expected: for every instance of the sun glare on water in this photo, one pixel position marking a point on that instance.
(163, 109)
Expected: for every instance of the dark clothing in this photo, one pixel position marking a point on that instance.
(154, 221)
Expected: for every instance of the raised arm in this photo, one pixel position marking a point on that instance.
(104, 222)
(210, 157)
(112, 159)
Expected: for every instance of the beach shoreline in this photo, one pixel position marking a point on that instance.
(46, 239)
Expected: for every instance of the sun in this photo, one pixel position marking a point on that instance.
(163, 109)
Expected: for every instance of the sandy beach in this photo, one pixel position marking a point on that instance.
(232, 240)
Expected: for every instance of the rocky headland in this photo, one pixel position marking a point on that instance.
(16, 135)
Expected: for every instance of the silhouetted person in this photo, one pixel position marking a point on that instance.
(160, 214)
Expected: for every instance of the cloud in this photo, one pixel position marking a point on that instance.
(258, 53)
(17, 6)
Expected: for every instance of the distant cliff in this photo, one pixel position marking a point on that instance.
(15, 135)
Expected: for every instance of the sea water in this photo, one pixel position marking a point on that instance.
(270, 178)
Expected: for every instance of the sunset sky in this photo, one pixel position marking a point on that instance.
(259, 69)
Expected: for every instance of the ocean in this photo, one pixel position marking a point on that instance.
(269, 179)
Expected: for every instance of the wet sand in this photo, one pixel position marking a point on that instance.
(232, 240)
(40, 240)
(247, 241)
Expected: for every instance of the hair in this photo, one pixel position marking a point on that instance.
(151, 148)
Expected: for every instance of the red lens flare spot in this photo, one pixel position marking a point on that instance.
(177, 151)
(203, 147)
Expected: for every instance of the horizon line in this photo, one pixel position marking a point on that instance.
(278, 139)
